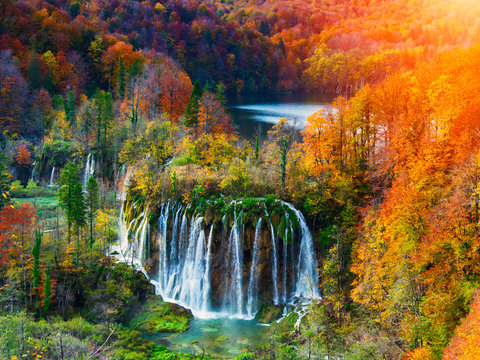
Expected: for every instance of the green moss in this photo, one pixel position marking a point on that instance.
(268, 313)
(222, 338)
(157, 316)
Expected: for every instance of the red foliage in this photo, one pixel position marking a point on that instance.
(23, 156)
(16, 225)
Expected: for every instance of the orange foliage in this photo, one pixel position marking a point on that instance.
(175, 89)
(465, 343)
(16, 226)
(23, 156)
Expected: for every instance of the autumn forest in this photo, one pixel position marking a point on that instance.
(138, 221)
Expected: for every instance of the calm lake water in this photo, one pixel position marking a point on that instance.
(256, 113)
(224, 338)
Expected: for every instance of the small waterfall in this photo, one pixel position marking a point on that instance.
(206, 278)
(284, 263)
(253, 278)
(52, 174)
(275, 261)
(193, 269)
(307, 278)
(131, 247)
(89, 169)
(32, 176)
(207, 274)
(234, 295)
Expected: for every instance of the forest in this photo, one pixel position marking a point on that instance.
(133, 214)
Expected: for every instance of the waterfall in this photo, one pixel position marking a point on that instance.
(234, 296)
(307, 273)
(33, 171)
(89, 169)
(206, 277)
(253, 278)
(209, 274)
(284, 263)
(52, 174)
(132, 240)
(275, 262)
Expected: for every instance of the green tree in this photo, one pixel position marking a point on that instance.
(69, 107)
(220, 91)
(257, 147)
(68, 193)
(4, 183)
(173, 179)
(264, 28)
(193, 107)
(104, 114)
(47, 291)
(37, 276)
(92, 204)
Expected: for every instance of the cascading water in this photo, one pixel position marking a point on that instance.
(32, 176)
(222, 276)
(89, 169)
(52, 174)
(307, 278)
(253, 278)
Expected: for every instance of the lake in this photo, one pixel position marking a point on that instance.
(223, 338)
(256, 113)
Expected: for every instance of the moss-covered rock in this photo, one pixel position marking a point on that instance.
(157, 316)
(268, 313)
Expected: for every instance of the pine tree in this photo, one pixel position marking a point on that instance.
(193, 107)
(264, 28)
(37, 276)
(173, 180)
(34, 72)
(69, 107)
(4, 183)
(68, 193)
(257, 147)
(220, 91)
(47, 291)
(92, 203)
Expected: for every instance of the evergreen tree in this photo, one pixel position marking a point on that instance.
(220, 90)
(173, 180)
(4, 183)
(79, 207)
(92, 204)
(193, 107)
(257, 147)
(264, 28)
(47, 291)
(121, 79)
(68, 193)
(207, 87)
(58, 102)
(34, 72)
(69, 107)
(79, 219)
(37, 276)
